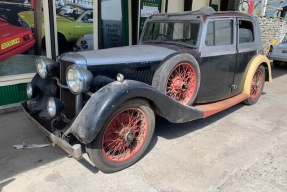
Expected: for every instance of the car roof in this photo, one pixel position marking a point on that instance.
(201, 14)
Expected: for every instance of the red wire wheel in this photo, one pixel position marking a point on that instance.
(257, 85)
(181, 83)
(179, 78)
(124, 137)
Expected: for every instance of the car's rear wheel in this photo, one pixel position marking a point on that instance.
(276, 64)
(179, 78)
(124, 137)
(257, 85)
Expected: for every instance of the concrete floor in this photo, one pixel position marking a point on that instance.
(241, 149)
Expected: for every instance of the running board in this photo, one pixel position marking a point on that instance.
(212, 108)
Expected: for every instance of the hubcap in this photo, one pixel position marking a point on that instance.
(129, 137)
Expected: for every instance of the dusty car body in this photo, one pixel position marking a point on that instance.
(278, 52)
(14, 39)
(73, 21)
(187, 66)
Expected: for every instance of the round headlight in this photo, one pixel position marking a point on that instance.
(78, 79)
(46, 67)
(54, 106)
(41, 68)
(51, 107)
(29, 90)
(73, 80)
(32, 90)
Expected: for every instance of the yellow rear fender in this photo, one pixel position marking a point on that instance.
(250, 70)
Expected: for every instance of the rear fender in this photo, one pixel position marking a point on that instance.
(253, 64)
(102, 103)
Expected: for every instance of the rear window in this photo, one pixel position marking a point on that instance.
(246, 33)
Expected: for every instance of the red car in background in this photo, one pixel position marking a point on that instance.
(14, 39)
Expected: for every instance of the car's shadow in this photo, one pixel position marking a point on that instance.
(279, 71)
(168, 130)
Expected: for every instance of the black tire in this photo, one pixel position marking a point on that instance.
(165, 80)
(257, 86)
(119, 126)
(276, 64)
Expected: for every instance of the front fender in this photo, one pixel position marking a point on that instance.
(102, 103)
(250, 71)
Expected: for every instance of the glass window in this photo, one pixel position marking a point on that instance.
(172, 31)
(219, 32)
(71, 12)
(87, 17)
(246, 34)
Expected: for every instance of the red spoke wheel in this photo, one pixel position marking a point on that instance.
(181, 83)
(124, 138)
(257, 85)
(179, 78)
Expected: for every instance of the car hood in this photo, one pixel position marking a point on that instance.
(28, 17)
(129, 54)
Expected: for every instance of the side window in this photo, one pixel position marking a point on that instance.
(87, 18)
(219, 32)
(246, 33)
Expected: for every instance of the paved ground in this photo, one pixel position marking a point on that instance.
(241, 149)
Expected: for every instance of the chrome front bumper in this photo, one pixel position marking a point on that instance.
(75, 150)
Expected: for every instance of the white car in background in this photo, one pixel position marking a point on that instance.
(85, 43)
(278, 52)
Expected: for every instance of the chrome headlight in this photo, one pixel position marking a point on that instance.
(46, 67)
(78, 79)
(29, 90)
(54, 106)
(32, 90)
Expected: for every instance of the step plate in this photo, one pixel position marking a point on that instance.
(212, 108)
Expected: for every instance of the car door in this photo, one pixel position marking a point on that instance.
(218, 59)
(247, 48)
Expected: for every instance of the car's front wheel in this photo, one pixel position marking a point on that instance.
(257, 85)
(124, 137)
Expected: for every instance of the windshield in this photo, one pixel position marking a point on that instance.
(71, 12)
(185, 32)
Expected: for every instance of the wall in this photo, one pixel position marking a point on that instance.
(272, 30)
(196, 5)
(175, 6)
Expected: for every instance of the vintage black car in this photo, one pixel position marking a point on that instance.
(187, 66)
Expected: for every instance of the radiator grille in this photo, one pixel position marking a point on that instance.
(143, 76)
(65, 94)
